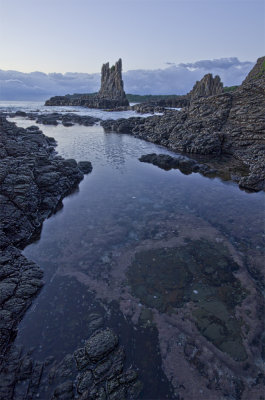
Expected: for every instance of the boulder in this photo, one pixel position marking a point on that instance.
(100, 344)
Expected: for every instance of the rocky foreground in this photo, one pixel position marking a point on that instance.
(222, 124)
(33, 182)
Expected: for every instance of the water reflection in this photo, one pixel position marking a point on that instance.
(125, 208)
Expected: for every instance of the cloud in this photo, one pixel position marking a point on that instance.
(15, 85)
(174, 79)
(179, 79)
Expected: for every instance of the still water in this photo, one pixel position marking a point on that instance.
(125, 216)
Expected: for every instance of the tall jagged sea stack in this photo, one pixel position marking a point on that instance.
(110, 96)
(112, 85)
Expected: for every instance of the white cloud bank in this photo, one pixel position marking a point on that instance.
(174, 79)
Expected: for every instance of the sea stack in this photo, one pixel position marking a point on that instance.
(110, 96)
(112, 85)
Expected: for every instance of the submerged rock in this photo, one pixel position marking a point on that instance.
(100, 344)
(85, 166)
(200, 272)
(102, 374)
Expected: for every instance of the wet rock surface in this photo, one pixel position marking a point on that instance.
(160, 105)
(33, 182)
(100, 344)
(67, 120)
(183, 278)
(96, 371)
(205, 303)
(184, 164)
(225, 123)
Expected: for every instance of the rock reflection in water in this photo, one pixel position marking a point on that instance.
(126, 211)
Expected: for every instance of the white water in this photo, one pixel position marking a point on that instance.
(37, 106)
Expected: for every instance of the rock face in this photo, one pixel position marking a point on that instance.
(226, 123)
(110, 96)
(111, 90)
(207, 86)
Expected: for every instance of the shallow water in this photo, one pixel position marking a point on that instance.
(38, 106)
(122, 209)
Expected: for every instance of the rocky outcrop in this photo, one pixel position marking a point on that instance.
(184, 164)
(159, 106)
(33, 182)
(67, 120)
(95, 371)
(207, 86)
(227, 123)
(111, 90)
(110, 96)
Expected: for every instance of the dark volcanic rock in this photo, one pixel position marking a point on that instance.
(207, 86)
(100, 344)
(227, 123)
(111, 90)
(66, 119)
(184, 164)
(85, 166)
(75, 376)
(122, 125)
(148, 108)
(110, 96)
(33, 182)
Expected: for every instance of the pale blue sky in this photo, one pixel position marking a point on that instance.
(79, 35)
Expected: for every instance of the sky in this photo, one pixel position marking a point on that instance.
(79, 35)
(156, 39)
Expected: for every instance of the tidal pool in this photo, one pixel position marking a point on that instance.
(171, 261)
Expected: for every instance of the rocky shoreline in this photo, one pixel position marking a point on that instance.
(211, 123)
(222, 124)
(33, 182)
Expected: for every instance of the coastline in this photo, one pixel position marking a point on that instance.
(34, 181)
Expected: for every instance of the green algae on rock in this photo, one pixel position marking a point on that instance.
(200, 272)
